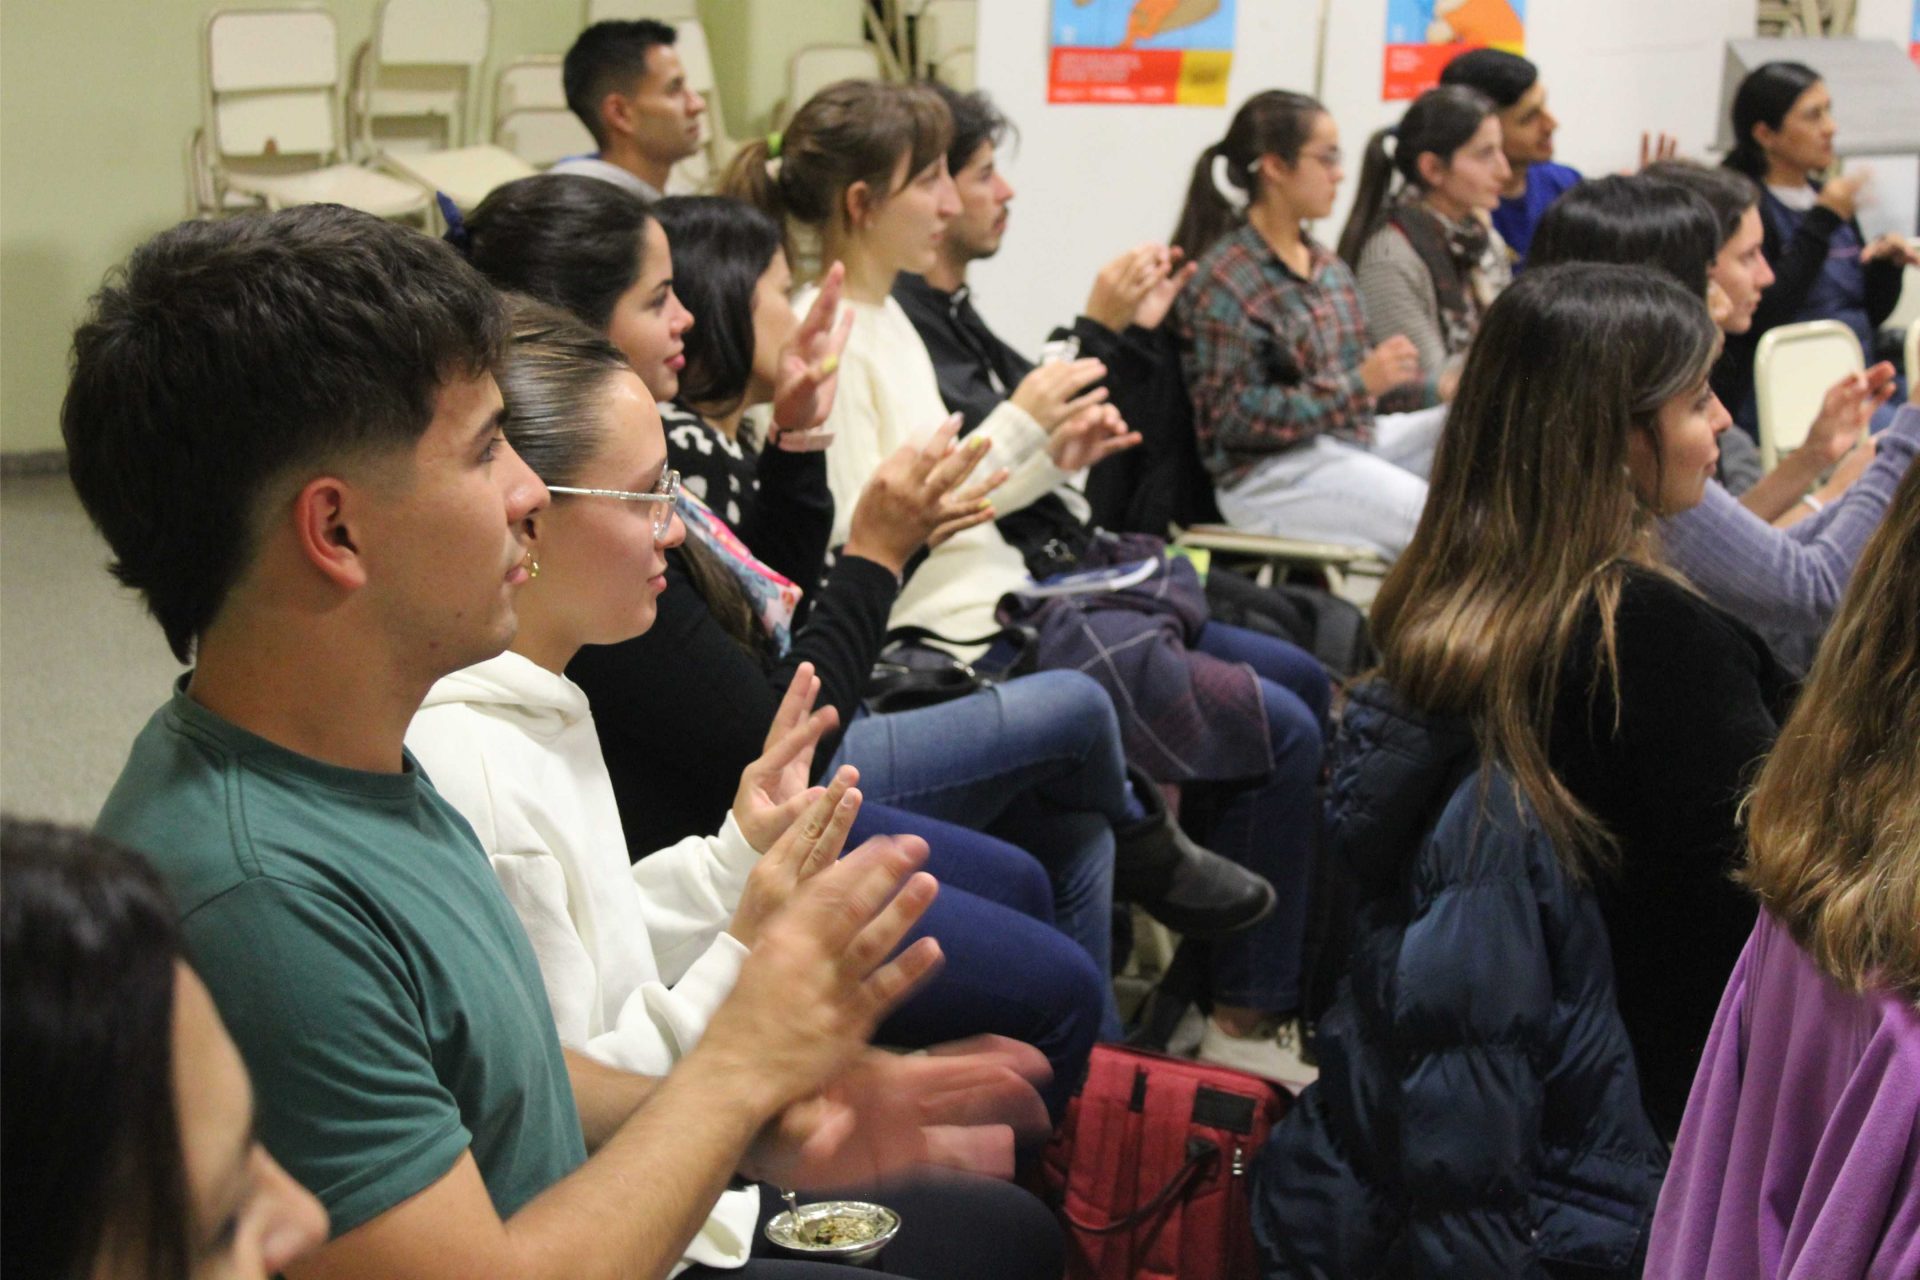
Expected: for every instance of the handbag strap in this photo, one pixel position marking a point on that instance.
(1199, 1152)
(923, 635)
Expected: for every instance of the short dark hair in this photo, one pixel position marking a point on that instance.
(975, 121)
(608, 58)
(1502, 76)
(1631, 221)
(572, 242)
(228, 354)
(721, 247)
(1728, 192)
(93, 1160)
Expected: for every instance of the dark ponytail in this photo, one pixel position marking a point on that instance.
(1764, 97)
(1440, 121)
(1273, 123)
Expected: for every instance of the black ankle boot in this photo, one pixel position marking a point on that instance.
(1193, 891)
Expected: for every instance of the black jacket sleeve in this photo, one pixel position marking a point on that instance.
(787, 523)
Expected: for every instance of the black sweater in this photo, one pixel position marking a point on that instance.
(684, 708)
(1700, 701)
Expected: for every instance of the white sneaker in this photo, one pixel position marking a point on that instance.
(1273, 1051)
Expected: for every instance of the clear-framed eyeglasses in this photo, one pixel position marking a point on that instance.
(663, 498)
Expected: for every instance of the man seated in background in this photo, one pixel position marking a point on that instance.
(626, 83)
(287, 428)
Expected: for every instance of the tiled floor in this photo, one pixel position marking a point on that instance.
(81, 664)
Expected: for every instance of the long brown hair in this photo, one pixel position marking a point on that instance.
(852, 131)
(1833, 826)
(1532, 518)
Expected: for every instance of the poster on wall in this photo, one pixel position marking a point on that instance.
(1913, 45)
(1424, 35)
(1141, 52)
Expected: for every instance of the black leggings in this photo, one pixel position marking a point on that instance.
(953, 1227)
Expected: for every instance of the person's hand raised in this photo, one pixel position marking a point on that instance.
(1842, 193)
(1655, 147)
(1845, 412)
(1051, 392)
(773, 787)
(1092, 436)
(1394, 363)
(1122, 285)
(818, 979)
(1159, 300)
(808, 846)
(809, 368)
(1892, 246)
(919, 497)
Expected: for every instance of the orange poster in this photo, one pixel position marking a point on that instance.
(1153, 52)
(1424, 35)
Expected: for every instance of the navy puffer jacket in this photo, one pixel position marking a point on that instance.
(1477, 1113)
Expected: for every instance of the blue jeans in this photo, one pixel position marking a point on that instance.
(1035, 761)
(1271, 826)
(1008, 971)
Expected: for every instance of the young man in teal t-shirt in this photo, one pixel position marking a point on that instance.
(287, 428)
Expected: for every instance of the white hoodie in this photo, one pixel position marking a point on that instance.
(635, 958)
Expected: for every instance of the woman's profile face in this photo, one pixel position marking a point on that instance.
(1804, 140)
(773, 323)
(1670, 471)
(904, 229)
(648, 321)
(1474, 176)
(601, 567)
(248, 1218)
(1312, 182)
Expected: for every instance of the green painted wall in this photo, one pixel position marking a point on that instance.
(97, 98)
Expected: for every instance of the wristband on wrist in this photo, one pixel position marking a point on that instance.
(1812, 503)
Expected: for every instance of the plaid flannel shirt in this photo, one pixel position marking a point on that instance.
(1271, 359)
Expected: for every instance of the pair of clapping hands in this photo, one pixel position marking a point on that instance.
(822, 973)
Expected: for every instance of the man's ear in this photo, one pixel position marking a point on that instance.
(616, 114)
(324, 528)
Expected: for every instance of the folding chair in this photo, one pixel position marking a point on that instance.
(816, 66)
(956, 70)
(272, 107)
(1913, 356)
(944, 28)
(665, 10)
(1792, 370)
(413, 83)
(465, 174)
(530, 113)
(205, 199)
(1333, 560)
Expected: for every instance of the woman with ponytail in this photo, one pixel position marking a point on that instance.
(1427, 257)
(1823, 266)
(1283, 374)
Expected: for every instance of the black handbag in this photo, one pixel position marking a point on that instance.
(912, 671)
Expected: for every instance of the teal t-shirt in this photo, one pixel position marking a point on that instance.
(380, 987)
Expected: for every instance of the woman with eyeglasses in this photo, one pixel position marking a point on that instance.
(130, 1152)
(1284, 377)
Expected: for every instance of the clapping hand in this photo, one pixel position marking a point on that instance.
(773, 788)
(1091, 436)
(1892, 246)
(917, 497)
(1845, 411)
(1172, 278)
(809, 370)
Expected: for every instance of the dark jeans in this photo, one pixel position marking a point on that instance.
(952, 1227)
(1271, 826)
(1008, 971)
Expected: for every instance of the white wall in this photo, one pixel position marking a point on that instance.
(1095, 179)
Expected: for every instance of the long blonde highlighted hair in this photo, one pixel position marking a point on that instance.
(1833, 825)
(1532, 518)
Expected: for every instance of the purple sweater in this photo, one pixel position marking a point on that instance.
(1799, 1158)
(1786, 583)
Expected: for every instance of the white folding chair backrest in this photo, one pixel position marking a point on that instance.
(956, 70)
(1913, 357)
(421, 67)
(696, 56)
(272, 84)
(816, 66)
(530, 115)
(664, 10)
(1792, 370)
(944, 27)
